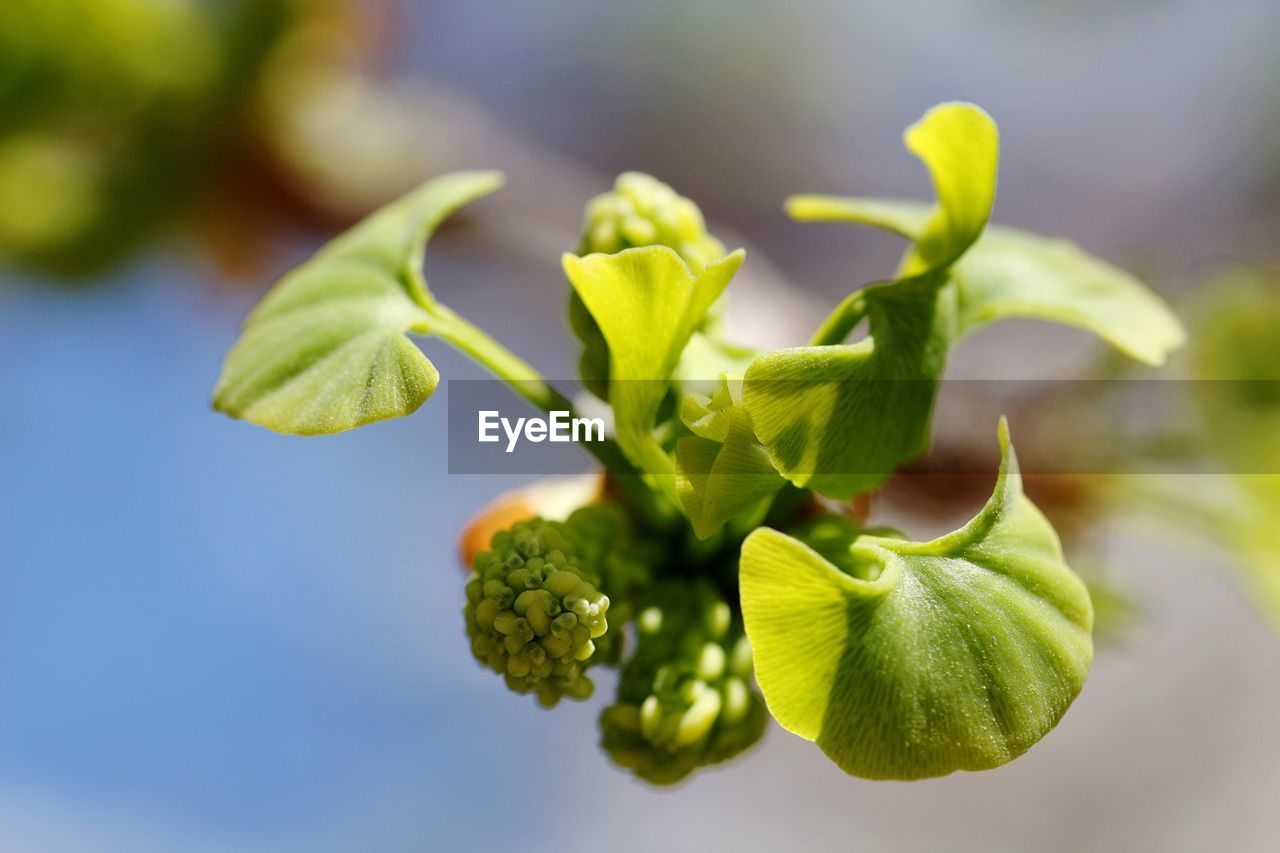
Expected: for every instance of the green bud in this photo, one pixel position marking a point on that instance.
(737, 700)
(711, 661)
(740, 659)
(717, 619)
(684, 699)
(486, 612)
(562, 583)
(533, 611)
(649, 621)
(696, 723)
(602, 541)
(639, 211)
(505, 622)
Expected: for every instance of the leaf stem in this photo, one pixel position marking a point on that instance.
(526, 381)
(841, 322)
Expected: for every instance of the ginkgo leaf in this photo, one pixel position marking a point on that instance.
(839, 419)
(1236, 367)
(647, 304)
(960, 654)
(721, 470)
(326, 349)
(1010, 273)
(900, 216)
(960, 145)
(710, 416)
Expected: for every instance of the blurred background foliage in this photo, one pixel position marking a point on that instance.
(117, 113)
(124, 121)
(153, 152)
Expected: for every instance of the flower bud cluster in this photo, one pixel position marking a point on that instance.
(639, 211)
(606, 545)
(685, 698)
(643, 211)
(534, 611)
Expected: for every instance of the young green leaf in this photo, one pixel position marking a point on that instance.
(1010, 273)
(839, 419)
(721, 470)
(960, 145)
(1236, 365)
(639, 211)
(960, 655)
(647, 304)
(710, 416)
(326, 349)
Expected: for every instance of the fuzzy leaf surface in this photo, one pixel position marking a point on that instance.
(963, 652)
(326, 348)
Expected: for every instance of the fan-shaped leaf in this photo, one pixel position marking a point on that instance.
(647, 304)
(1011, 273)
(960, 655)
(960, 145)
(326, 350)
(839, 419)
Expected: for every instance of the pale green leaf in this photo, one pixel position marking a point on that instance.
(1011, 273)
(960, 145)
(647, 304)
(839, 419)
(326, 350)
(1236, 365)
(709, 416)
(960, 655)
(1236, 368)
(721, 471)
(904, 218)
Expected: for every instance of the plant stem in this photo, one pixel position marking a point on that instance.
(842, 320)
(474, 343)
(526, 381)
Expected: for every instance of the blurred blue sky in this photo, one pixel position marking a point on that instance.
(209, 622)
